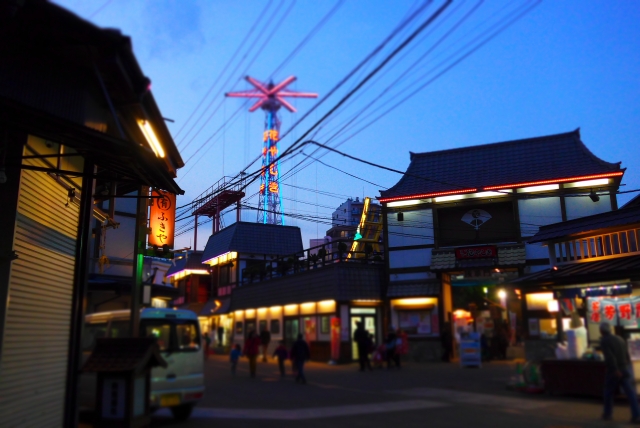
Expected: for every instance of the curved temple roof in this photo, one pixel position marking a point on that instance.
(474, 168)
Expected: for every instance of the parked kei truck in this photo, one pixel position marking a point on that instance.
(180, 385)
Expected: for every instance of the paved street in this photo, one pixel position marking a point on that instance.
(427, 394)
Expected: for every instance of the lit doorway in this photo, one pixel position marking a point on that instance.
(367, 316)
(291, 330)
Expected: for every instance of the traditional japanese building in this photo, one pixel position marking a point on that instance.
(458, 221)
(78, 124)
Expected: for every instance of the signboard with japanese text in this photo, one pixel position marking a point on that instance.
(621, 311)
(162, 219)
(483, 252)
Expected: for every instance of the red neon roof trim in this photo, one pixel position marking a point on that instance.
(556, 180)
(427, 195)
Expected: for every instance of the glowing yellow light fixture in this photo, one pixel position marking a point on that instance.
(222, 258)
(588, 183)
(543, 188)
(291, 310)
(147, 130)
(250, 313)
(552, 306)
(184, 273)
(415, 301)
(502, 294)
(327, 306)
(406, 203)
(307, 308)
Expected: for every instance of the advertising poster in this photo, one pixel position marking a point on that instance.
(310, 329)
(335, 338)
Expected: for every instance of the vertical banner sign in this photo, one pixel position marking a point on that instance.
(635, 304)
(609, 311)
(162, 219)
(593, 310)
(625, 313)
(335, 339)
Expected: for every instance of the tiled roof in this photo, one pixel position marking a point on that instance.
(632, 202)
(576, 273)
(337, 281)
(254, 238)
(622, 217)
(124, 354)
(428, 287)
(191, 260)
(508, 255)
(520, 161)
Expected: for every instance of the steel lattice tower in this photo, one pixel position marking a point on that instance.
(270, 99)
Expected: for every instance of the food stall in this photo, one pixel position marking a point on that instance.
(577, 366)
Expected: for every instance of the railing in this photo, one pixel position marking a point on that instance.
(312, 258)
(234, 184)
(603, 246)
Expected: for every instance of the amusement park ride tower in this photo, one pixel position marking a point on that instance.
(270, 99)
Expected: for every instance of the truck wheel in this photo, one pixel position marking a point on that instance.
(182, 412)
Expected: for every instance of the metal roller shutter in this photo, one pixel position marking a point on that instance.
(34, 357)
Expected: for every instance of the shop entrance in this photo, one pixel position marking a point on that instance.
(291, 330)
(368, 317)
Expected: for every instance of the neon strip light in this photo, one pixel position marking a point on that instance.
(428, 195)
(363, 218)
(557, 180)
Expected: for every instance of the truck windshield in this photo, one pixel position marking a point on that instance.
(173, 335)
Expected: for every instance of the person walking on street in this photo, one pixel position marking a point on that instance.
(207, 344)
(281, 353)
(618, 374)
(300, 353)
(265, 338)
(251, 350)
(234, 356)
(391, 344)
(361, 337)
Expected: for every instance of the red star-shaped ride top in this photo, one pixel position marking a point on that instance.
(270, 96)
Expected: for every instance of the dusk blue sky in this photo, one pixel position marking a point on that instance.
(564, 65)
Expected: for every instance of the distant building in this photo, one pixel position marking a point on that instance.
(316, 244)
(345, 219)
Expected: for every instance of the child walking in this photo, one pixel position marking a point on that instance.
(234, 356)
(282, 354)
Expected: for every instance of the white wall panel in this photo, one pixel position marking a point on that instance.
(583, 206)
(538, 212)
(410, 258)
(415, 229)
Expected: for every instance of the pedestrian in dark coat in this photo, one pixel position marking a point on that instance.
(618, 374)
(281, 353)
(391, 345)
(361, 337)
(300, 353)
(265, 338)
(251, 350)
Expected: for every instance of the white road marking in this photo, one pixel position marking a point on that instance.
(311, 412)
(475, 398)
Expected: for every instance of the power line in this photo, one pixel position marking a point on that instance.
(224, 69)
